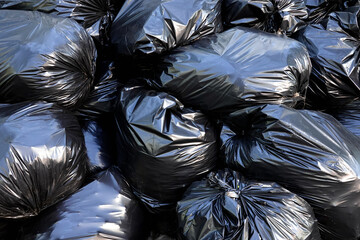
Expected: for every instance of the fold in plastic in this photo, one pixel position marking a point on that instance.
(100, 144)
(280, 16)
(227, 206)
(163, 147)
(238, 68)
(44, 58)
(42, 157)
(102, 97)
(156, 26)
(308, 152)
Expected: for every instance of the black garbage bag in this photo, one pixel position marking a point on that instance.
(103, 96)
(155, 26)
(42, 156)
(276, 16)
(103, 209)
(235, 69)
(320, 9)
(44, 58)
(95, 16)
(346, 21)
(349, 116)
(100, 143)
(163, 147)
(225, 205)
(308, 152)
(334, 53)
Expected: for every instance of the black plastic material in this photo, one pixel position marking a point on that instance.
(345, 21)
(320, 9)
(349, 116)
(308, 152)
(95, 16)
(227, 206)
(280, 16)
(335, 56)
(235, 69)
(42, 156)
(156, 26)
(103, 209)
(102, 98)
(163, 146)
(44, 58)
(100, 144)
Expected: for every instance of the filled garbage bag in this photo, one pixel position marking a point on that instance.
(308, 152)
(42, 156)
(103, 96)
(163, 146)
(103, 209)
(334, 54)
(95, 16)
(349, 116)
(279, 16)
(44, 58)
(155, 26)
(225, 205)
(235, 69)
(100, 143)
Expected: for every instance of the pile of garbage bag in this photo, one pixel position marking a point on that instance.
(174, 119)
(308, 152)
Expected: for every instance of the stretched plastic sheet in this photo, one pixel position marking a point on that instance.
(225, 205)
(280, 16)
(44, 58)
(102, 98)
(155, 26)
(95, 16)
(103, 209)
(42, 156)
(308, 152)
(235, 69)
(349, 116)
(335, 57)
(100, 144)
(163, 146)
